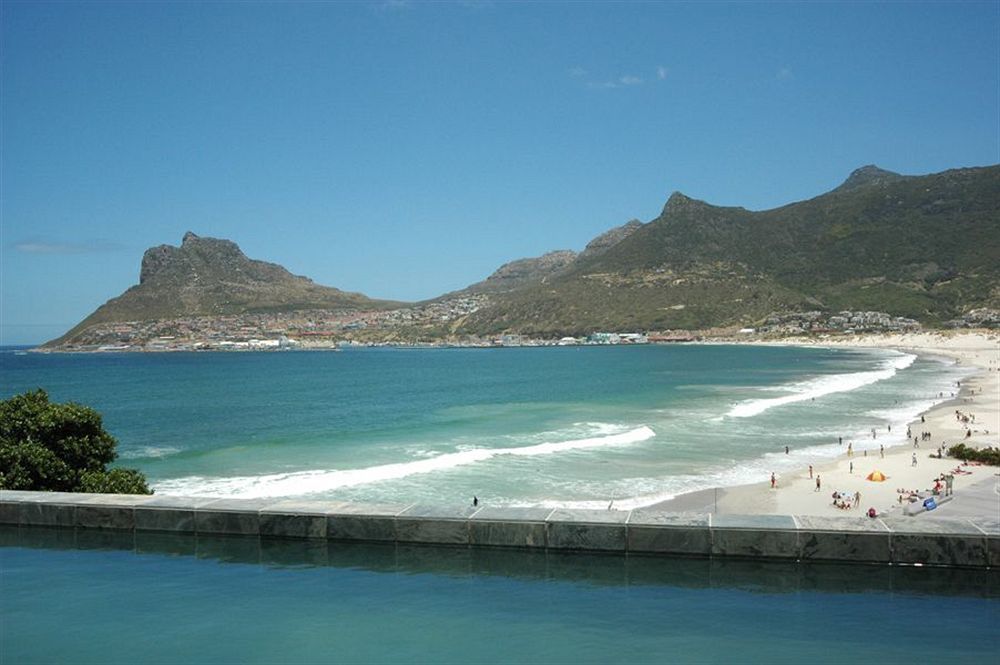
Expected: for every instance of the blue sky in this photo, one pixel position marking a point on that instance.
(407, 149)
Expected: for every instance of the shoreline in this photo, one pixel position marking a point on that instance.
(978, 395)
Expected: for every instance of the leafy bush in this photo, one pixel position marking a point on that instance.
(59, 448)
(114, 481)
(987, 455)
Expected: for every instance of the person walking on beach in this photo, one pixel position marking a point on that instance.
(475, 501)
(817, 483)
(810, 470)
(773, 480)
(850, 450)
(914, 462)
(852, 467)
(881, 451)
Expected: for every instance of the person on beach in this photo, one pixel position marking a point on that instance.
(475, 501)
(810, 470)
(852, 467)
(850, 449)
(786, 450)
(914, 462)
(774, 481)
(817, 483)
(881, 451)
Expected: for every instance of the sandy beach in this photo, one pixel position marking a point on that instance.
(906, 467)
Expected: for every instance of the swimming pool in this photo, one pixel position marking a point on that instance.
(123, 597)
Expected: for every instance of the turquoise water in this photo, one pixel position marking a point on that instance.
(575, 427)
(105, 597)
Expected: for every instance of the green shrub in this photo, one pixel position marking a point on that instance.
(114, 481)
(55, 447)
(987, 455)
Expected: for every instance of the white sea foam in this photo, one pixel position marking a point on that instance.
(642, 492)
(323, 480)
(149, 451)
(824, 385)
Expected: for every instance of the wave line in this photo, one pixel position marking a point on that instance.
(824, 385)
(321, 480)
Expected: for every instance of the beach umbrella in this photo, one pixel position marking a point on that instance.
(876, 476)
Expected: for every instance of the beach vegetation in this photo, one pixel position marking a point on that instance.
(59, 447)
(988, 455)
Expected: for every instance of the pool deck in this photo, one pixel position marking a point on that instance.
(969, 542)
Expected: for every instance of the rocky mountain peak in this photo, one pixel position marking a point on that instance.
(610, 238)
(868, 175)
(194, 250)
(679, 203)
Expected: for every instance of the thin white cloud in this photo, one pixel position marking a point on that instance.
(661, 72)
(621, 81)
(36, 246)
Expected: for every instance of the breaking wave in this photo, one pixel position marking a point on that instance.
(823, 385)
(323, 480)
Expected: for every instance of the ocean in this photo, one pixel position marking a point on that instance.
(581, 427)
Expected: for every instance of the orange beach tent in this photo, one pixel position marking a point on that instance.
(876, 476)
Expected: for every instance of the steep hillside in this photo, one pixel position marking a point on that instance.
(524, 273)
(926, 247)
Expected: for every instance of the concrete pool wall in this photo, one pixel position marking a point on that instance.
(973, 543)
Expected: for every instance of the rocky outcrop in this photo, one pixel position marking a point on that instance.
(518, 273)
(213, 277)
(610, 238)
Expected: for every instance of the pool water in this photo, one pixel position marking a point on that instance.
(118, 597)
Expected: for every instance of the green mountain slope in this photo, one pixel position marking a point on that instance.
(926, 247)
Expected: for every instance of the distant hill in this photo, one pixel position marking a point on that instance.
(523, 273)
(213, 277)
(926, 247)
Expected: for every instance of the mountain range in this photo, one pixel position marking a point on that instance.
(925, 247)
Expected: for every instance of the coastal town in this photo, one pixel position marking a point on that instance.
(436, 324)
